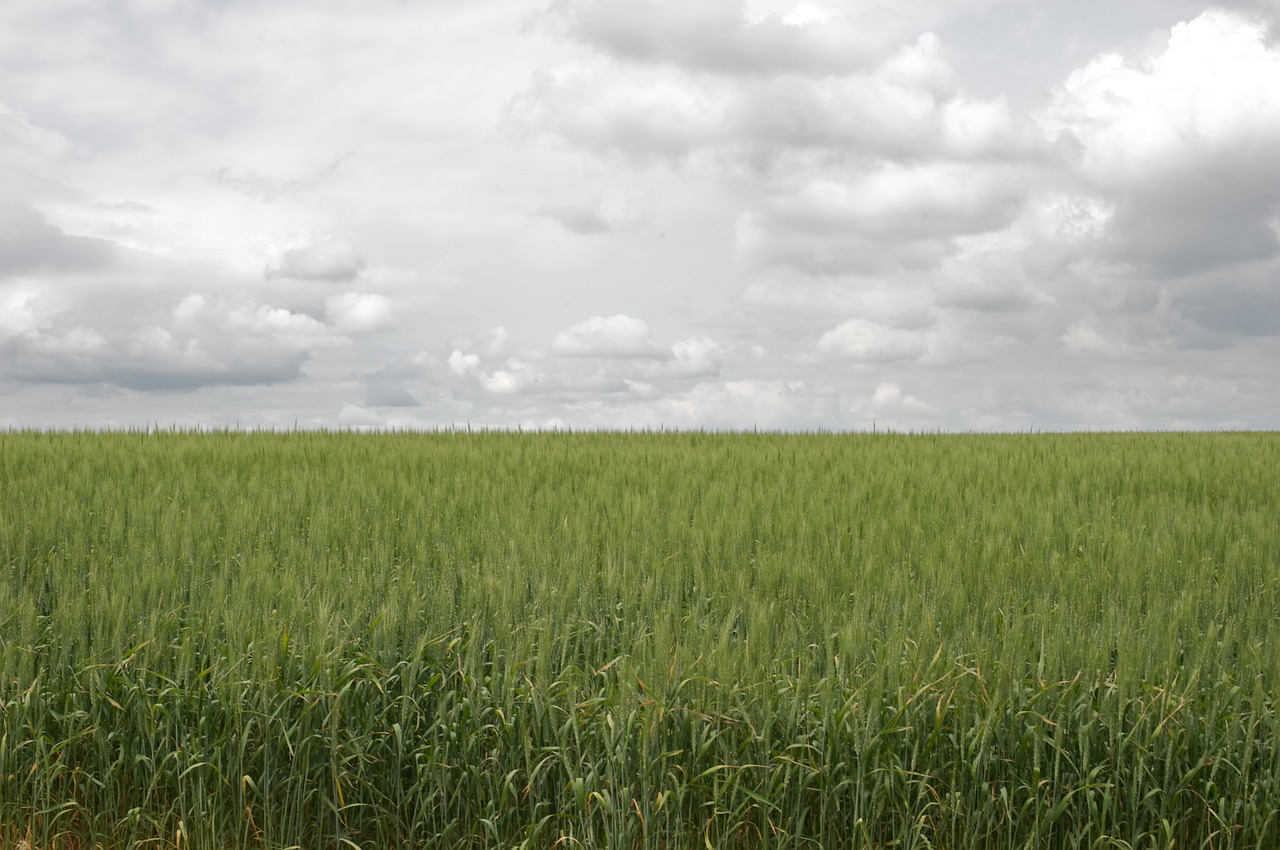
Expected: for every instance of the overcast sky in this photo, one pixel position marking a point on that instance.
(922, 215)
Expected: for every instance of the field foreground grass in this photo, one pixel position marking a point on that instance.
(639, 640)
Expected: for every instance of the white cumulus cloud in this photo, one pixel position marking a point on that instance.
(331, 259)
(865, 340)
(695, 357)
(360, 312)
(463, 364)
(515, 376)
(969, 214)
(889, 398)
(1182, 143)
(606, 336)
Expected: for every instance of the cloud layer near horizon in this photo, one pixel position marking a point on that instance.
(710, 213)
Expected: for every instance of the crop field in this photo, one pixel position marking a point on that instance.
(606, 640)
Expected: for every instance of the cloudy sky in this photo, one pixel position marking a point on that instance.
(924, 214)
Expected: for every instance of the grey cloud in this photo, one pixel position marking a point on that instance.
(889, 400)
(636, 115)
(1179, 394)
(1191, 237)
(903, 302)
(599, 215)
(647, 114)
(250, 182)
(82, 356)
(695, 357)
(1236, 307)
(607, 336)
(715, 35)
(30, 242)
(1118, 273)
(731, 404)
(906, 108)
(168, 377)
(871, 342)
(830, 255)
(1213, 209)
(899, 203)
(1269, 10)
(124, 206)
(387, 390)
(1182, 143)
(599, 358)
(198, 344)
(246, 182)
(889, 219)
(584, 220)
(25, 146)
(332, 260)
(1153, 319)
(355, 417)
(1009, 295)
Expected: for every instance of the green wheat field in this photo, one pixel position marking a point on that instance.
(608, 640)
